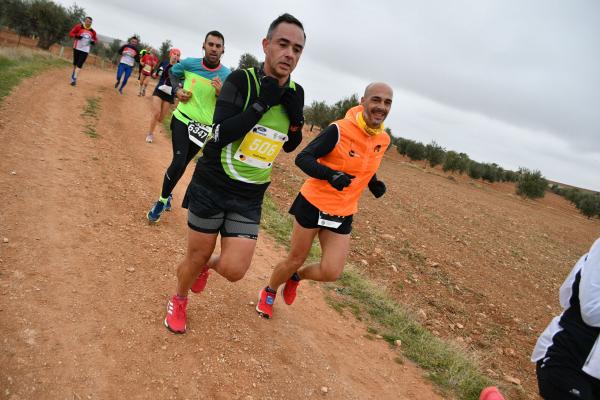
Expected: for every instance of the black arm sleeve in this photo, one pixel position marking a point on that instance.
(320, 146)
(294, 140)
(373, 179)
(230, 119)
(120, 51)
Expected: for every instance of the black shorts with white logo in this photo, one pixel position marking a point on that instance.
(308, 217)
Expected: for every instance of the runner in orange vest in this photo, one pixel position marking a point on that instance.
(341, 162)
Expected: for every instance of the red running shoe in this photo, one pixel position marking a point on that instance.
(264, 307)
(176, 315)
(289, 290)
(200, 283)
(491, 393)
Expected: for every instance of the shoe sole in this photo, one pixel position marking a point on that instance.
(260, 313)
(150, 221)
(173, 330)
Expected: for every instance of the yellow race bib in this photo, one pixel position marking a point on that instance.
(260, 147)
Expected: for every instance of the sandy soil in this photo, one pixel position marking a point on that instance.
(84, 280)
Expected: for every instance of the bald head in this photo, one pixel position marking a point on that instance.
(376, 102)
(377, 87)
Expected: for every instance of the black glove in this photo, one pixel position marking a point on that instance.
(293, 103)
(270, 92)
(339, 180)
(377, 188)
(93, 43)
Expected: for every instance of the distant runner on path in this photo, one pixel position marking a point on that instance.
(142, 54)
(258, 113)
(567, 354)
(85, 37)
(193, 118)
(163, 96)
(148, 63)
(341, 163)
(129, 56)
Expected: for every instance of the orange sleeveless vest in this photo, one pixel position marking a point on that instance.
(356, 153)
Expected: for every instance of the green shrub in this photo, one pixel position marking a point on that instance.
(475, 170)
(589, 205)
(435, 154)
(531, 184)
(401, 145)
(415, 150)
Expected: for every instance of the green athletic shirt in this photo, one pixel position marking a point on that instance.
(218, 168)
(197, 79)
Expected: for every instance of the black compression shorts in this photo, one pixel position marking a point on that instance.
(307, 216)
(215, 212)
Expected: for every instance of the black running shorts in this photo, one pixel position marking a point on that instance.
(214, 212)
(163, 96)
(307, 216)
(79, 58)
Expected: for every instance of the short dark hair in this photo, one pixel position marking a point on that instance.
(90, 18)
(215, 33)
(133, 37)
(290, 19)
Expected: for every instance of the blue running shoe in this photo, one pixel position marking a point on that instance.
(168, 205)
(154, 214)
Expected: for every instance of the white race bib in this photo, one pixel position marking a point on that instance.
(330, 221)
(260, 147)
(199, 133)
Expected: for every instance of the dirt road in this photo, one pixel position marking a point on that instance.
(84, 279)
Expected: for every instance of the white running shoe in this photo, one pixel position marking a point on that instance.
(149, 138)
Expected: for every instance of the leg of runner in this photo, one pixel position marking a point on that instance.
(235, 258)
(334, 249)
(127, 72)
(120, 72)
(183, 152)
(300, 244)
(200, 247)
(157, 117)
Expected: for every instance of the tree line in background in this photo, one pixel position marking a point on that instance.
(48, 21)
(51, 23)
(587, 203)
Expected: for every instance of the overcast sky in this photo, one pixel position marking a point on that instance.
(516, 82)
